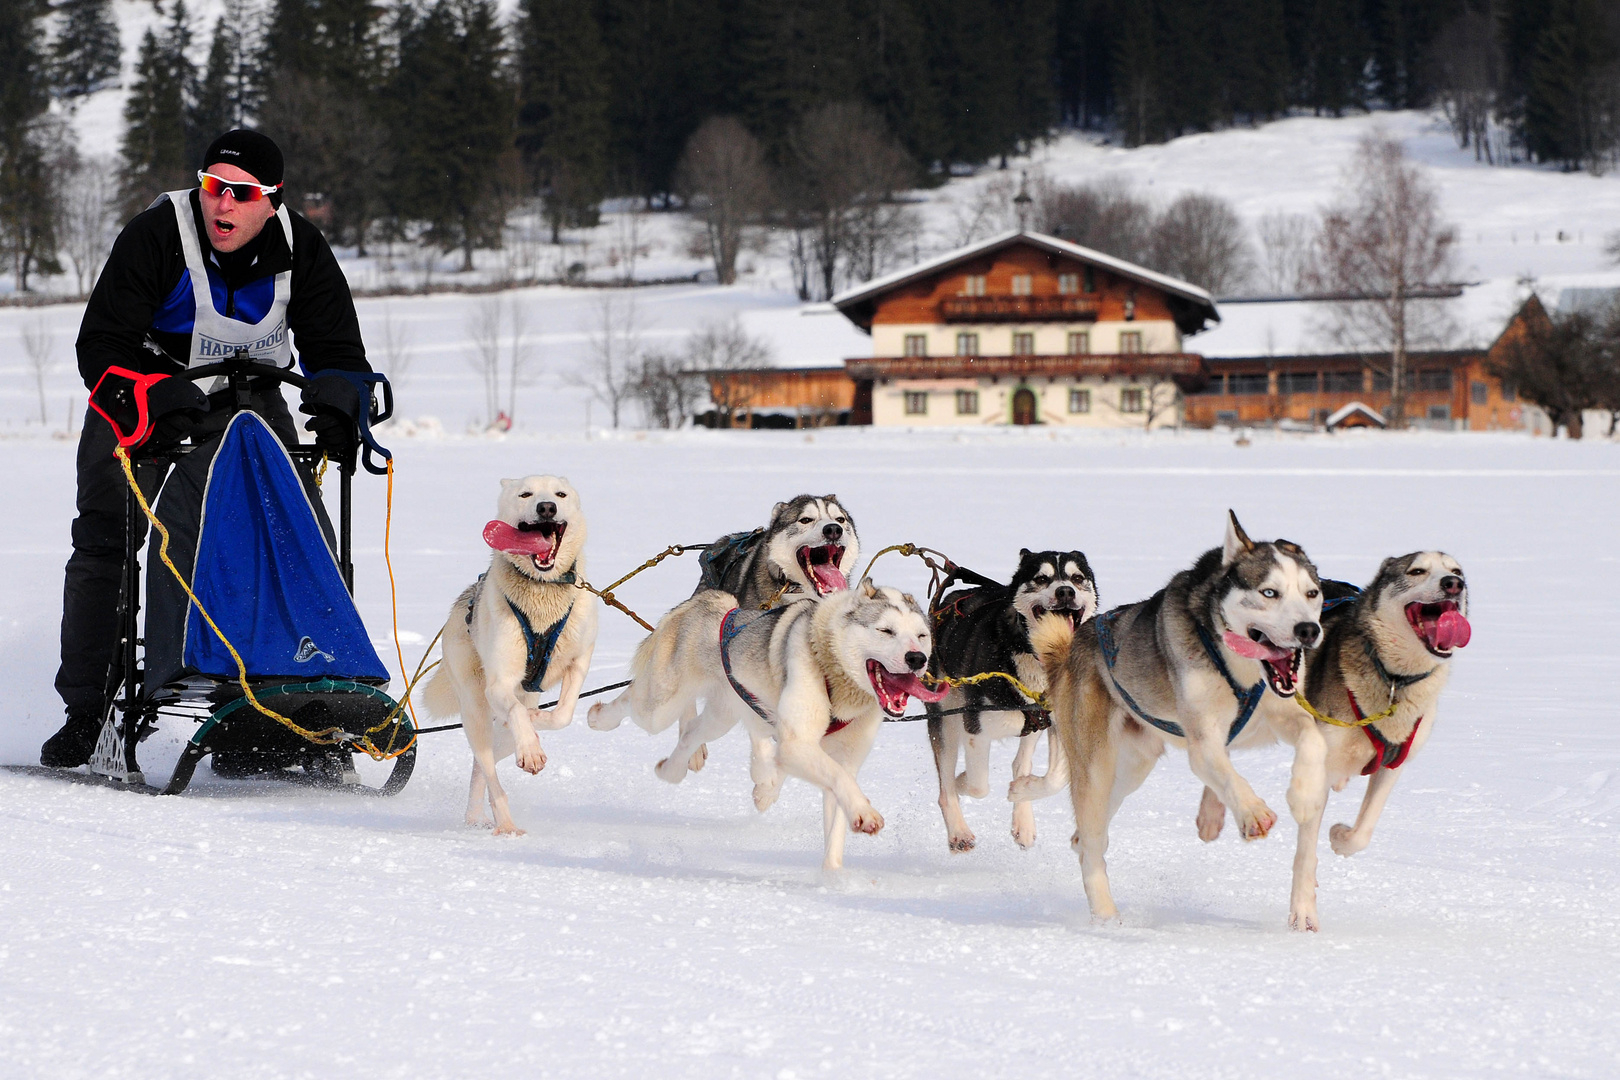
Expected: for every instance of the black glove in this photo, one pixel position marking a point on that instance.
(333, 404)
(174, 406)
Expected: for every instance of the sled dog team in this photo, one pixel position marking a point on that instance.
(1247, 647)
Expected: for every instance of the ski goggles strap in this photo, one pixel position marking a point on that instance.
(120, 399)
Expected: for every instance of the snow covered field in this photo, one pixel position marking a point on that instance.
(654, 931)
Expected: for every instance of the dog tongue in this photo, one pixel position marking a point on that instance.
(1256, 650)
(503, 537)
(828, 577)
(907, 683)
(1451, 631)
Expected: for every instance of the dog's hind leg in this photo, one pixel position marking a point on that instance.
(708, 725)
(1211, 815)
(1091, 738)
(1023, 822)
(945, 737)
(476, 795)
(1348, 841)
(975, 779)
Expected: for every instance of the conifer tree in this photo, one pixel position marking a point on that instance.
(31, 145)
(226, 97)
(562, 125)
(154, 152)
(452, 123)
(86, 53)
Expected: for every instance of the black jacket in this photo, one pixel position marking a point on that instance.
(146, 264)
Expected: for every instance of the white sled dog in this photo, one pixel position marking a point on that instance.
(1210, 663)
(522, 628)
(812, 682)
(1385, 657)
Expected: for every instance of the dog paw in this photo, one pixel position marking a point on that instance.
(1256, 820)
(699, 759)
(531, 759)
(1024, 835)
(509, 830)
(599, 719)
(962, 841)
(866, 820)
(479, 823)
(670, 774)
(1343, 840)
(765, 794)
(1304, 919)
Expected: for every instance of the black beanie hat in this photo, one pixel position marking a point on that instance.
(249, 151)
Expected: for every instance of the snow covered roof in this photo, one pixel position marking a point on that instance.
(856, 303)
(1358, 410)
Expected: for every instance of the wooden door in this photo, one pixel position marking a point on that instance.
(1024, 406)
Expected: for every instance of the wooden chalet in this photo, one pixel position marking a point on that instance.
(1025, 329)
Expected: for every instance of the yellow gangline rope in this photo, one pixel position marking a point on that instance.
(1334, 720)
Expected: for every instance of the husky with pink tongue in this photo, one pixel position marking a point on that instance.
(812, 681)
(1385, 657)
(522, 628)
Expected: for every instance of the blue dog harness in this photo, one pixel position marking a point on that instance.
(540, 646)
(730, 627)
(1247, 700)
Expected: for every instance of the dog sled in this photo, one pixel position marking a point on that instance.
(277, 672)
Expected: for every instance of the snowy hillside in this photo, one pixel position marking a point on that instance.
(642, 930)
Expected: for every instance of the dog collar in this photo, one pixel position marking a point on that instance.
(1389, 678)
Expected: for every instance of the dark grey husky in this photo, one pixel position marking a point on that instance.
(1210, 662)
(809, 549)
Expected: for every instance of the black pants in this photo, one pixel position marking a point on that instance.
(95, 571)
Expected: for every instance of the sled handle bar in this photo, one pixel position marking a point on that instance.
(364, 381)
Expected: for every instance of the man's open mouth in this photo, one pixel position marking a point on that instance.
(1280, 665)
(1440, 626)
(820, 566)
(892, 689)
(539, 540)
(1075, 615)
(223, 227)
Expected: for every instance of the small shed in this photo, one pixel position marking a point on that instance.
(1355, 415)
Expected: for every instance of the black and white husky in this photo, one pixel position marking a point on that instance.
(1211, 663)
(522, 628)
(1385, 657)
(984, 629)
(808, 549)
(811, 681)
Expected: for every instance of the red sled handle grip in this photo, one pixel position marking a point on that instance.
(120, 399)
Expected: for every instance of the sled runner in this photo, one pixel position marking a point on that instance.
(275, 667)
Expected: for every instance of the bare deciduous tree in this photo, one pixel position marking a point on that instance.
(394, 343)
(1105, 215)
(840, 185)
(500, 354)
(1200, 238)
(39, 346)
(1383, 246)
(725, 181)
(986, 211)
(86, 224)
(669, 390)
(1287, 253)
(611, 372)
(721, 352)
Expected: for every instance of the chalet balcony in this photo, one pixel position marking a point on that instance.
(1186, 370)
(1016, 309)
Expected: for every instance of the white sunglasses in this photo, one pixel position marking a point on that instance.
(240, 191)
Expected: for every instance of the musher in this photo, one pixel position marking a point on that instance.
(197, 275)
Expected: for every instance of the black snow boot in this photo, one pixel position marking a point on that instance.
(73, 745)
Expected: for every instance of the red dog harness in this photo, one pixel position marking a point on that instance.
(1386, 755)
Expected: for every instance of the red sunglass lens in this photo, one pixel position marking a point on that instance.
(213, 185)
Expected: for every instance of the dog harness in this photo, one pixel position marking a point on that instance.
(1386, 755)
(1247, 700)
(540, 646)
(730, 627)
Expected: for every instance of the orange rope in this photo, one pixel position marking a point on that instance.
(393, 596)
